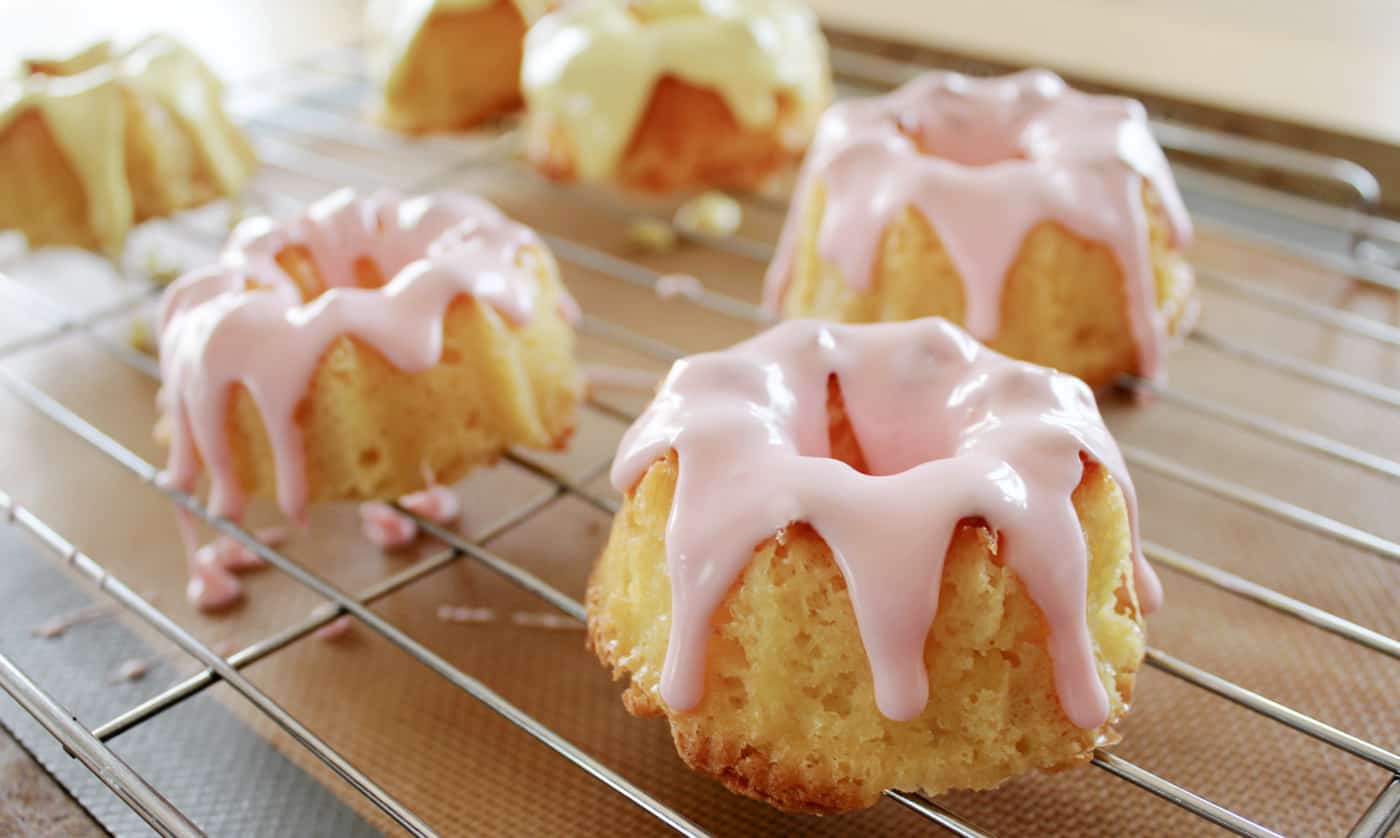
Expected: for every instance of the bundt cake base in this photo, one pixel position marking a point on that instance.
(789, 714)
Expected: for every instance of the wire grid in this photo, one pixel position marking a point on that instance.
(292, 141)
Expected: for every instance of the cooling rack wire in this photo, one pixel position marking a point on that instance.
(292, 137)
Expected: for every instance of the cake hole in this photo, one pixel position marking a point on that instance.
(367, 273)
(296, 262)
(1013, 659)
(929, 443)
(840, 433)
(451, 355)
(950, 124)
(369, 457)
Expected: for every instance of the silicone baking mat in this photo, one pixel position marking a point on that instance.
(1266, 473)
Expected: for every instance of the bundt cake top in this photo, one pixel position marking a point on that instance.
(592, 65)
(390, 267)
(81, 102)
(948, 430)
(984, 161)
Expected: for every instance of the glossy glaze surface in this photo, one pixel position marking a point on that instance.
(949, 430)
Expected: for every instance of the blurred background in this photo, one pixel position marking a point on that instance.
(1322, 76)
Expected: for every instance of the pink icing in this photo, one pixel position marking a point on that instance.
(390, 529)
(272, 536)
(386, 527)
(985, 161)
(244, 320)
(669, 286)
(211, 587)
(231, 555)
(950, 430)
(438, 504)
(336, 629)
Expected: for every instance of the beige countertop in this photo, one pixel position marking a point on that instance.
(1328, 65)
(1331, 65)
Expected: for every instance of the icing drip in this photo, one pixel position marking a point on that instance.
(244, 319)
(336, 630)
(86, 114)
(60, 625)
(985, 161)
(386, 527)
(390, 529)
(438, 504)
(950, 430)
(669, 286)
(465, 614)
(591, 65)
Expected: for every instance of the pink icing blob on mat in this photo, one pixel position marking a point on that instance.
(244, 319)
(985, 161)
(949, 429)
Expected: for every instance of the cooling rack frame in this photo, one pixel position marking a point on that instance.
(289, 144)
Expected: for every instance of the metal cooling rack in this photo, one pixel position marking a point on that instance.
(292, 137)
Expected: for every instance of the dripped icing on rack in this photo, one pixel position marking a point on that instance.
(949, 429)
(82, 102)
(590, 66)
(244, 320)
(985, 161)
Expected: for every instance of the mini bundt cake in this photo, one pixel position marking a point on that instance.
(443, 65)
(96, 143)
(859, 557)
(1044, 219)
(660, 95)
(369, 342)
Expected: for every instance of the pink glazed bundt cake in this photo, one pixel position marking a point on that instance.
(354, 351)
(859, 557)
(1043, 219)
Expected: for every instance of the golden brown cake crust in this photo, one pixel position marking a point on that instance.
(686, 138)
(788, 714)
(462, 69)
(43, 196)
(1063, 304)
